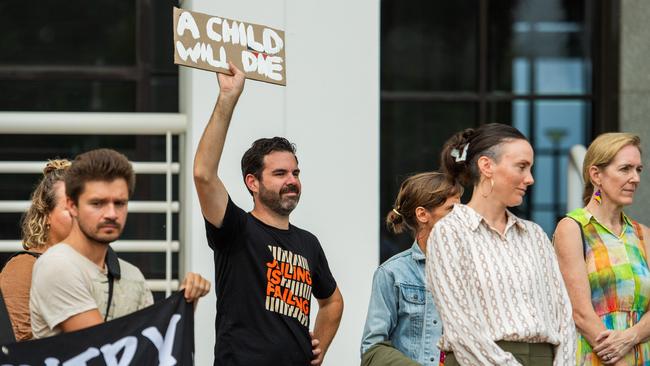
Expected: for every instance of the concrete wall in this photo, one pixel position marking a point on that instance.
(635, 89)
(330, 109)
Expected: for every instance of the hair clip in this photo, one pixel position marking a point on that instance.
(460, 157)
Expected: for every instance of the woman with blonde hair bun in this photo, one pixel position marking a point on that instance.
(46, 223)
(604, 257)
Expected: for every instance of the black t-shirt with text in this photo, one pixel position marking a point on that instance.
(264, 279)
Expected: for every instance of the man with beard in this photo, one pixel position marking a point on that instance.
(72, 287)
(265, 268)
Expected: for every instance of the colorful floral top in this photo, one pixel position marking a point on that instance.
(619, 278)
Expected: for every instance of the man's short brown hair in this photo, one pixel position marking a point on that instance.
(253, 160)
(104, 165)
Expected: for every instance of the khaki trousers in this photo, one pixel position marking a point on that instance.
(528, 354)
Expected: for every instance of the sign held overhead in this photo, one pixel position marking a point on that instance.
(208, 42)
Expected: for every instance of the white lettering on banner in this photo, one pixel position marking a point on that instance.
(203, 52)
(249, 61)
(233, 34)
(194, 53)
(251, 40)
(165, 346)
(239, 33)
(110, 351)
(209, 28)
(127, 347)
(268, 66)
(186, 21)
(269, 36)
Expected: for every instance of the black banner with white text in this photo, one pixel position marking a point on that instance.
(162, 334)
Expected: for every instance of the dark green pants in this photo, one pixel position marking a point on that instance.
(383, 354)
(528, 354)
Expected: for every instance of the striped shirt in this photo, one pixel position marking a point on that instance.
(490, 287)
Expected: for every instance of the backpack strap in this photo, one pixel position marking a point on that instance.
(113, 269)
(110, 295)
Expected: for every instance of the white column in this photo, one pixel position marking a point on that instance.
(635, 90)
(330, 109)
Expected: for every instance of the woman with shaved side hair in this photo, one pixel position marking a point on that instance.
(495, 277)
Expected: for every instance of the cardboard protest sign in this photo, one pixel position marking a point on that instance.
(208, 42)
(161, 334)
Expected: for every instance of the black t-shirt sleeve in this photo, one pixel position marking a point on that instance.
(234, 221)
(324, 283)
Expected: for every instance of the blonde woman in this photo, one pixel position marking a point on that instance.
(46, 223)
(603, 257)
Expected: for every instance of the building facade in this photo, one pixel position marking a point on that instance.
(373, 90)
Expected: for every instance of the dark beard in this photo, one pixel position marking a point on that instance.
(94, 238)
(275, 202)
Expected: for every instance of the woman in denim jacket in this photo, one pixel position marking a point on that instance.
(402, 325)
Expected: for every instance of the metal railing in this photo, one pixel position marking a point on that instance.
(575, 182)
(166, 124)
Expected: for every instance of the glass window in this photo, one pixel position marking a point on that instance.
(162, 52)
(149, 187)
(42, 147)
(99, 56)
(412, 135)
(514, 112)
(429, 45)
(559, 125)
(73, 32)
(557, 75)
(70, 56)
(540, 47)
(68, 95)
(446, 66)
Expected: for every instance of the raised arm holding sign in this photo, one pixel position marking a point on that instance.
(213, 196)
(266, 269)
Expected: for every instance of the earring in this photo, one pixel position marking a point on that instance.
(485, 195)
(598, 196)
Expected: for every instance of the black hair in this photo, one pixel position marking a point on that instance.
(253, 160)
(483, 141)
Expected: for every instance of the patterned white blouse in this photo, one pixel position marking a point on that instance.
(490, 287)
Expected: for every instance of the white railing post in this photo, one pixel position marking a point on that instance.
(168, 213)
(574, 177)
(56, 123)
